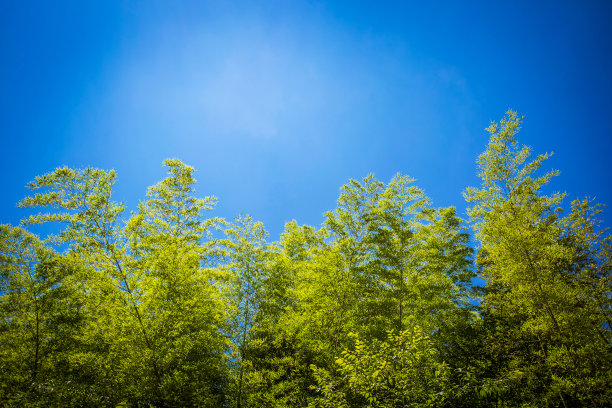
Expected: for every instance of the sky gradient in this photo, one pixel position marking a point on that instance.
(277, 104)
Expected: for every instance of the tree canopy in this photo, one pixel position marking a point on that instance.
(172, 306)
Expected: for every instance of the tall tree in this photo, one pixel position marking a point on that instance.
(170, 243)
(248, 257)
(40, 323)
(148, 298)
(408, 259)
(389, 260)
(544, 273)
(80, 200)
(280, 349)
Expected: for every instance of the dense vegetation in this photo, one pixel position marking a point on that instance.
(172, 307)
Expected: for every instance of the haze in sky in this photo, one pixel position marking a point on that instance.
(277, 104)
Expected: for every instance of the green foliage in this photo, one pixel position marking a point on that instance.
(169, 307)
(31, 303)
(81, 200)
(547, 276)
(407, 259)
(384, 258)
(151, 316)
(248, 257)
(400, 372)
(176, 307)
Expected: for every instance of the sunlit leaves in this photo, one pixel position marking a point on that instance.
(170, 306)
(538, 265)
(401, 371)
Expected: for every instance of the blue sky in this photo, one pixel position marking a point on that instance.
(279, 103)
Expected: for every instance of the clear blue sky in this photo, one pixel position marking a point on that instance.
(279, 103)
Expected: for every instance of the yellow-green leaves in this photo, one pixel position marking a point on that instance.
(402, 371)
(81, 200)
(536, 265)
(153, 316)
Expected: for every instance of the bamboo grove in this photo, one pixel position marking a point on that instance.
(381, 306)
